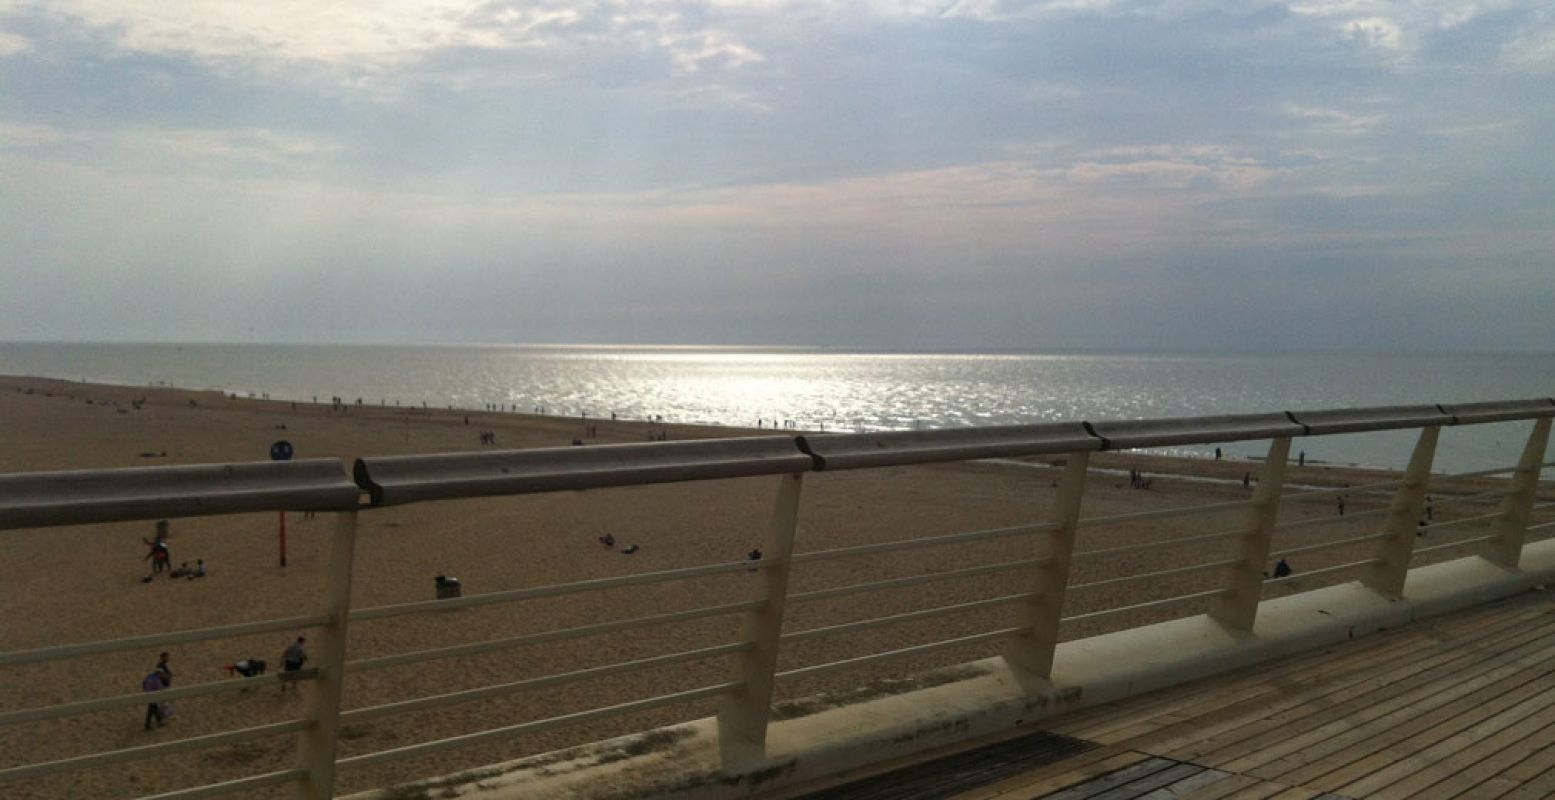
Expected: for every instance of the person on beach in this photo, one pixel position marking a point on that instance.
(294, 657)
(164, 667)
(159, 555)
(1340, 499)
(153, 682)
(1282, 569)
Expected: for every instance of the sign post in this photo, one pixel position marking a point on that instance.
(282, 451)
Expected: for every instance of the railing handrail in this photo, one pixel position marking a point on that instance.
(40, 499)
(74, 497)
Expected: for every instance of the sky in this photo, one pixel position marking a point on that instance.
(1223, 175)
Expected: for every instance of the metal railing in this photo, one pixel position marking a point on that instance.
(1228, 584)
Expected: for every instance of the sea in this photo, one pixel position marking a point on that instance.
(843, 391)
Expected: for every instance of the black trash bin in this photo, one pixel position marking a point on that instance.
(447, 587)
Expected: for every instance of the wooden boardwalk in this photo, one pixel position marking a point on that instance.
(1459, 706)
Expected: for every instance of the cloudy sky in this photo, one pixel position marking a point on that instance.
(914, 174)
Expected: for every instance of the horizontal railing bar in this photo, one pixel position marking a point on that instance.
(927, 613)
(1368, 488)
(896, 583)
(1337, 543)
(1002, 633)
(153, 640)
(142, 698)
(553, 590)
(1314, 522)
(1188, 570)
(1496, 494)
(1183, 598)
(92, 760)
(1131, 548)
(927, 541)
(1452, 523)
(1460, 543)
(550, 636)
(486, 692)
(510, 731)
(1325, 570)
(1481, 473)
(1141, 516)
(1541, 526)
(228, 787)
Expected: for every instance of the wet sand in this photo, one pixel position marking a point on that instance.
(84, 582)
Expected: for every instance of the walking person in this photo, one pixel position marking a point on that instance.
(153, 682)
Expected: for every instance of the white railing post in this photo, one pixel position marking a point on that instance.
(1032, 654)
(1517, 507)
(1389, 573)
(743, 715)
(318, 744)
(1238, 608)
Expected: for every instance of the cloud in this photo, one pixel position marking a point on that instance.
(11, 44)
(1332, 120)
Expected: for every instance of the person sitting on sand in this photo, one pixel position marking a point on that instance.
(199, 569)
(608, 541)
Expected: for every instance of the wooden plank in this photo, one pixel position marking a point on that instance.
(1166, 777)
(1220, 789)
(1258, 791)
(1536, 787)
(1457, 629)
(1272, 730)
(1468, 750)
(1324, 765)
(1051, 777)
(1192, 783)
(1100, 785)
(1339, 722)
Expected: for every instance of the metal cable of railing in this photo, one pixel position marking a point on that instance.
(1460, 543)
(1453, 523)
(156, 639)
(1312, 573)
(233, 786)
(165, 695)
(1165, 573)
(1166, 601)
(1333, 545)
(496, 645)
(915, 580)
(927, 613)
(1144, 516)
(1316, 522)
(530, 684)
(926, 541)
(945, 644)
(89, 761)
(1164, 543)
(554, 590)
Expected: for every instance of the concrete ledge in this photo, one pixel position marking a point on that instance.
(981, 699)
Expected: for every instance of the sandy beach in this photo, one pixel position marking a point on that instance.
(85, 582)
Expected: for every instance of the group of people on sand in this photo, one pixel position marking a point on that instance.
(161, 557)
(161, 677)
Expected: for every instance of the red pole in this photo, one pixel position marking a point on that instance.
(283, 538)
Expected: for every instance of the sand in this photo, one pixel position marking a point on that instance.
(84, 582)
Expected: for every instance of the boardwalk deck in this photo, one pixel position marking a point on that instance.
(1462, 706)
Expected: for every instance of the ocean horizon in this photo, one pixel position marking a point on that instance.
(836, 389)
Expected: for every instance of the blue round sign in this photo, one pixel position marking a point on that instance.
(281, 451)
